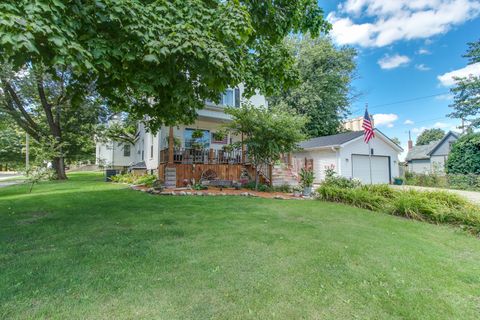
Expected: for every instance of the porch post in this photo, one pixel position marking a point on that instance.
(243, 151)
(170, 147)
(290, 160)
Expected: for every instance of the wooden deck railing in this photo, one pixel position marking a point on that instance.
(205, 156)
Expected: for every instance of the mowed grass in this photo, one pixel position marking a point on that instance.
(85, 249)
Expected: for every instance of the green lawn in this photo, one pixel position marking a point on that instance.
(85, 249)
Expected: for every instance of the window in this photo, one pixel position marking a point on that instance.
(126, 150)
(228, 98)
(203, 141)
(218, 139)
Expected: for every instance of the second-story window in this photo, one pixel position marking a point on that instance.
(228, 98)
(126, 150)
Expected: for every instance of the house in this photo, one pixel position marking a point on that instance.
(349, 156)
(431, 157)
(184, 153)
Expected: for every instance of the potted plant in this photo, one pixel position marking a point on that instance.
(306, 180)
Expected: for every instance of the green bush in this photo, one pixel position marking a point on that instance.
(130, 178)
(382, 190)
(464, 157)
(333, 180)
(261, 187)
(453, 181)
(433, 206)
(414, 205)
(358, 197)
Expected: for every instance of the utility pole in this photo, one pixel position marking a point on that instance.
(27, 151)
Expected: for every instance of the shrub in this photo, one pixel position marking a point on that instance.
(382, 190)
(306, 177)
(414, 205)
(464, 157)
(432, 206)
(261, 187)
(129, 178)
(341, 182)
(357, 197)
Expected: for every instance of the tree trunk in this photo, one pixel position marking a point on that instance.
(58, 166)
(256, 178)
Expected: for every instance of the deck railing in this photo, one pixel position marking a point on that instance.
(205, 156)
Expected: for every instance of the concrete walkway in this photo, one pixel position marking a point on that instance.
(472, 196)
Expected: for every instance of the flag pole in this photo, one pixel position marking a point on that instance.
(369, 149)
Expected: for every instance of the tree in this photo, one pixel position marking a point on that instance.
(325, 91)
(267, 132)
(429, 135)
(160, 58)
(466, 103)
(52, 108)
(11, 143)
(464, 158)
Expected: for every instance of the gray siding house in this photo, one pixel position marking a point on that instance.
(431, 157)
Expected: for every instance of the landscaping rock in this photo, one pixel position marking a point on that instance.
(182, 193)
(199, 193)
(279, 198)
(167, 193)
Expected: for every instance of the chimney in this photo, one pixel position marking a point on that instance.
(410, 142)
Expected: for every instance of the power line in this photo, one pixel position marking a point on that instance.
(402, 101)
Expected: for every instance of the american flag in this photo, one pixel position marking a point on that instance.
(368, 132)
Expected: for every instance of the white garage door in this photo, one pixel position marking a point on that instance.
(380, 169)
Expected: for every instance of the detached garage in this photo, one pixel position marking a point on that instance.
(348, 155)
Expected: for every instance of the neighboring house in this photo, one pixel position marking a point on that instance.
(431, 157)
(348, 155)
(183, 160)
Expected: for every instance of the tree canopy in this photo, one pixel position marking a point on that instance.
(429, 135)
(325, 91)
(464, 158)
(466, 103)
(160, 58)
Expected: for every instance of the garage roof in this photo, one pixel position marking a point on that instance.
(330, 141)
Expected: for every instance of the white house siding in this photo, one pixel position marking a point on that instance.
(419, 166)
(112, 154)
(358, 146)
(322, 159)
(438, 163)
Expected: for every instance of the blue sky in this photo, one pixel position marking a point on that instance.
(407, 49)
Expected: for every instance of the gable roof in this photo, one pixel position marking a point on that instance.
(440, 142)
(337, 140)
(424, 152)
(330, 141)
(421, 152)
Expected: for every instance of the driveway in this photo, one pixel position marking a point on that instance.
(10, 178)
(472, 196)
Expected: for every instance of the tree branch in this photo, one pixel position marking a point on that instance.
(8, 88)
(54, 129)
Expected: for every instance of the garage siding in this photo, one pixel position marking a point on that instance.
(358, 146)
(322, 159)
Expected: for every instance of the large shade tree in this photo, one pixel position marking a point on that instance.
(159, 59)
(325, 90)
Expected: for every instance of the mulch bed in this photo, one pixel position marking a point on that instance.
(220, 192)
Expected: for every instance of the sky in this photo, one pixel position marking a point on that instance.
(407, 50)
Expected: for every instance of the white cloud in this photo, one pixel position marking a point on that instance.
(408, 122)
(423, 51)
(422, 67)
(392, 62)
(397, 20)
(437, 125)
(447, 79)
(383, 119)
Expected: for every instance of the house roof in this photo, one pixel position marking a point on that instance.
(330, 141)
(337, 140)
(424, 152)
(421, 152)
(450, 133)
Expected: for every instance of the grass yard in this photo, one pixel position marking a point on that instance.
(85, 249)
